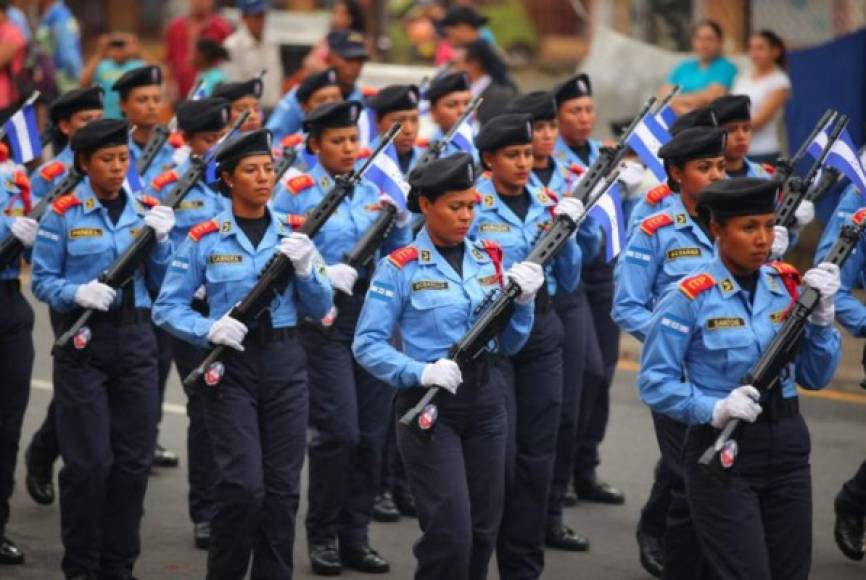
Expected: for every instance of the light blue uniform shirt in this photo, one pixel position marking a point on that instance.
(105, 75)
(40, 180)
(450, 148)
(850, 201)
(163, 161)
(288, 116)
(565, 155)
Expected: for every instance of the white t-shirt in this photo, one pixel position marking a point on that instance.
(766, 139)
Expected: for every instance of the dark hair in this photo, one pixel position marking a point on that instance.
(679, 164)
(357, 18)
(712, 24)
(775, 41)
(485, 55)
(212, 51)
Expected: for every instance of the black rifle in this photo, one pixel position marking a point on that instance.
(277, 274)
(765, 373)
(435, 149)
(285, 162)
(829, 177)
(159, 137)
(123, 269)
(785, 167)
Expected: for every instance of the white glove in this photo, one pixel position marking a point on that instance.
(95, 295)
(825, 279)
(444, 373)
(780, 242)
(741, 403)
(342, 277)
(529, 276)
(403, 216)
(161, 219)
(570, 206)
(299, 248)
(804, 214)
(631, 174)
(24, 228)
(228, 331)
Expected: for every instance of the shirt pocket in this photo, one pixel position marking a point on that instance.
(91, 249)
(440, 308)
(225, 276)
(730, 345)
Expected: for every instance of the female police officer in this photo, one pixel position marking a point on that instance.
(432, 291)
(515, 214)
(348, 406)
(244, 98)
(706, 332)
(257, 414)
(105, 388)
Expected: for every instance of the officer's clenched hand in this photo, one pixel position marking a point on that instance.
(299, 248)
(95, 295)
(161, 219)
(228, 331)
(529, 276)
(342, 277)
(825, 279)
(741, 403)
(570, 206)
(403, 216)
(443, 373)
(805, 213)
(780, 242)
(24, 228)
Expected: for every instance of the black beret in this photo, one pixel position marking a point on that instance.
(74, 101)
(539, 104)
(203, 115)
(395, 98)
(730, 108)
(574, 88)
(739, 196)
(450, 83)
(333, 116)
(504, 130)
(703, 117)
(694, 143)
(100, 134)
(245, 145)
(348, 44)
(235, 91)
(453, 173)
(463, 15)
(314, 82)
(138, 77)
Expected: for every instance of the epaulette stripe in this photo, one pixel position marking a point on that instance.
(695, 285)
(403, 256)
(52, 170)
(164, 179)
(771, 169)
(176, 140)
(650, 225)
(148, 200)
(369, 91)
(658, 193)
(292, 140)
(364, 152)
(62, 204)
(202, 229)
(295, 221)
(298, 184)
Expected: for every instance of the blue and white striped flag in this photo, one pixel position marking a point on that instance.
(464, 138)
(385, 172)
(842, 156)
(367, 131)
(608, 213)
(666, 117)
(646, 140)
(23, 135)
(132, 183)
(199, 93)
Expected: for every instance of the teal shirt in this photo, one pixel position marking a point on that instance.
(210, 79)
(105, 75)
(692, 77)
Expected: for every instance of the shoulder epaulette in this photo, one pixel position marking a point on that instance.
(658, 193)
(292, 140)
(577, 169)
(62, 204)
(148, 201)
(364, 152)
(403, 256)
(695, 285)
(784, 268)
(859, 215)
(52, 170)
(176, 140)
(791, 278)
(769, 168)
(369, 91)
(199, 231)
(650, 225)
(164, 179)
(295, 221)
(424, 143)
(299, 183)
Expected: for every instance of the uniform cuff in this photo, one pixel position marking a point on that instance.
(703, 410)
(411, 375)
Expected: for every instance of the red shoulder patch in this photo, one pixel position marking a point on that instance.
(658, 193)
(769, 168)
(291, 141)
(176, 140)
(369, 91)
(164, 179)
(199, 231)
(577, 169)
(62, 204)
(52, 170)
(650, 225)
(784, 268)
(300, 183)
(486, 174)
(148, 201)
(364, 152)
(859, 216)
(425, 143)
(403, 256)
(695, 285)
(295, 221)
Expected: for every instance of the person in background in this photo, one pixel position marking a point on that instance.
(575, 149)
(345, 15)
(207, 58)
(59, 36)
(244, 97)
(449, 96)
(181, 36)
(399, 104)
(488, 77)
(704, 78)
(769, 87)
(13, 51)
(250, 52)
(115, 55)
(19, 19)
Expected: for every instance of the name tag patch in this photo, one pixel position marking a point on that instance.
(725, 322)
(485, 228)
(678, 253)
(429, 285)
(85, 233)
(225, 259)
(192, 204)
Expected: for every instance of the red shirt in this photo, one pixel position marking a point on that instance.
(180, 45)
(10, 34)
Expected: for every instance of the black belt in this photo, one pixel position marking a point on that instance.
(8, 287)
(778, 408)
(263, 334)
(117, 317)
(542, 298)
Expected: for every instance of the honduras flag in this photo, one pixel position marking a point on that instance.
(133, 183)
(367, 131)
(842, 155)
(820, 141)
(646, 140)
(23, 135)
(385, 172)
(608, 213)
(464, 137)
(666, 116)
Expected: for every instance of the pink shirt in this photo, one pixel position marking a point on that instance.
(11, 35)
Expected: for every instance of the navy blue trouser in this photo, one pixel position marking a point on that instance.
(533, 403)
(654, 514)
(105, 399)
(393, 473)
(758, 525)
(44, 448)
(257, 420)
(852, 497)
(349, 416)
(16, 365)
(457, 479)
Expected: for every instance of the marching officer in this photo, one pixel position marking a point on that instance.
(734, 115)
(710, 329)
(514, 215)
(201, 123)
(313, 92)
(432, 291)
(106, 376)
(399, 104)
(348, 406)
(449, 96)
(575, 120)
(16, 338)
(257, 413)
(244, 97)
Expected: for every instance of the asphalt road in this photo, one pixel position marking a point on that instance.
(629, 453)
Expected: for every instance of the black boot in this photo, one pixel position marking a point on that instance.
(651, 552)
(562, 537)
(384, 509)
(405, 502)
(599, 492)
(364, 559)
(201, 535)
(10, 554)
(325, 558)
(848, 532)
(163, 457)
(39, 480)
